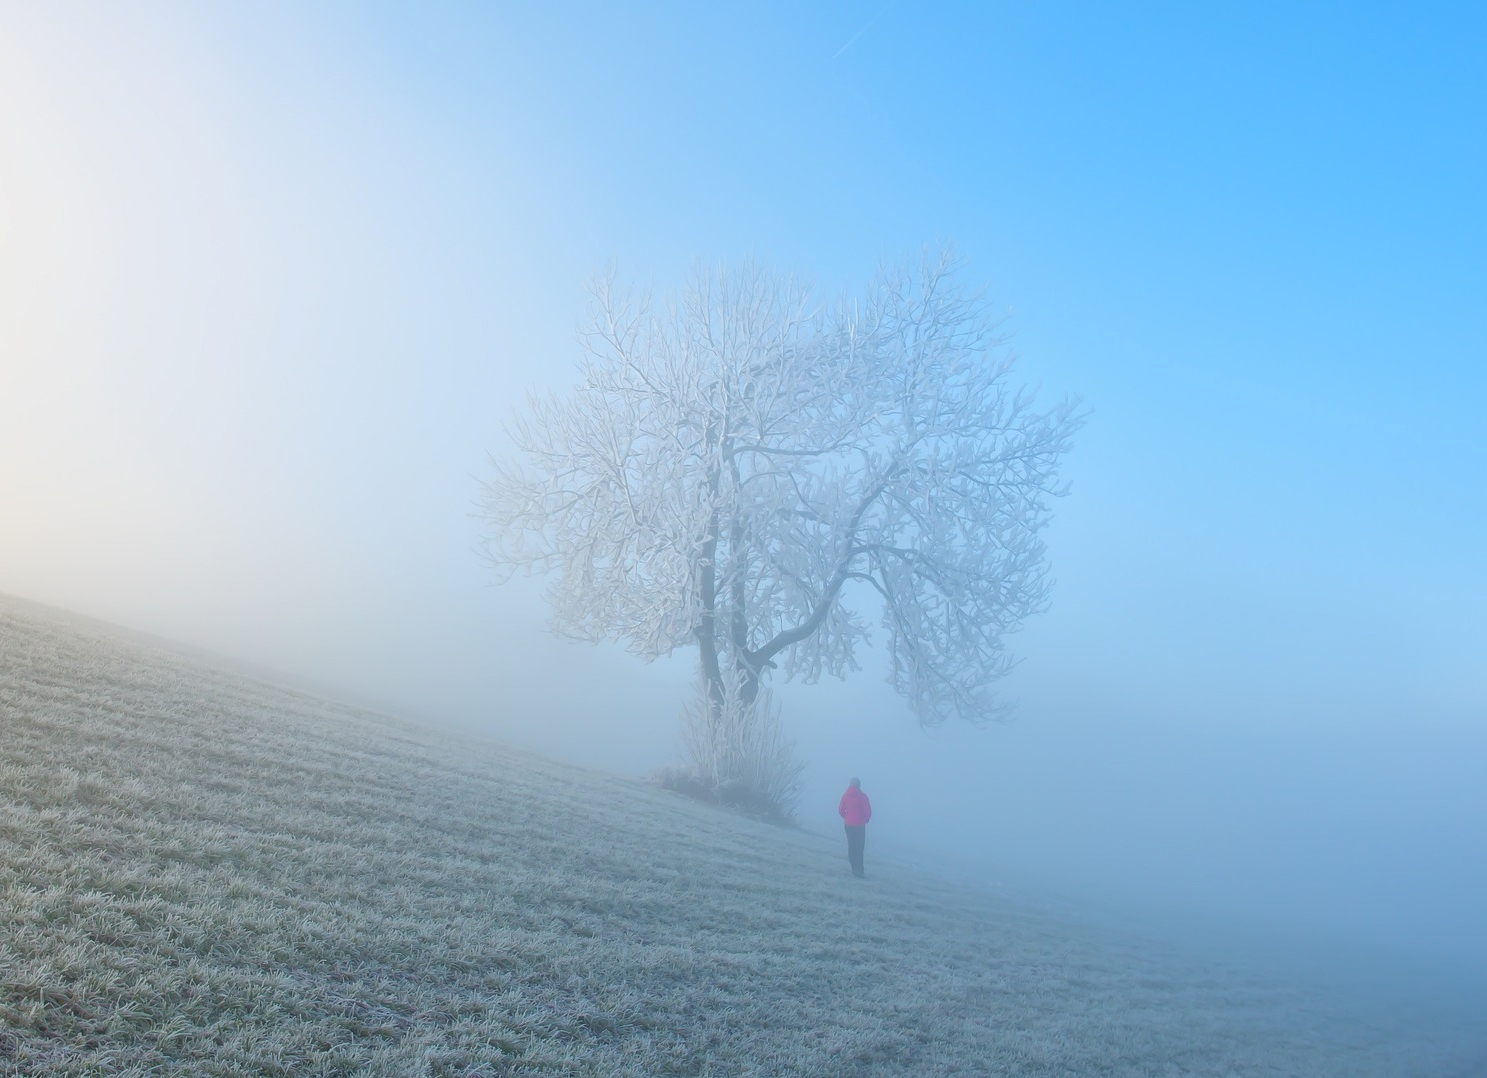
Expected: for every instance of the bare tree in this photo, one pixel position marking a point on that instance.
(745, 468)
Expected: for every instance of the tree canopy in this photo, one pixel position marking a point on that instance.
(749, 470)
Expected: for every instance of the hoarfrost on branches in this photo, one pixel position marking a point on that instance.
(746, 469)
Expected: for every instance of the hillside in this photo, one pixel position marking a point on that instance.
(202, 873)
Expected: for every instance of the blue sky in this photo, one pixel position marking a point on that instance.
(272, 277)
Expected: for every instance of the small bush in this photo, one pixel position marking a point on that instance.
(740, 757)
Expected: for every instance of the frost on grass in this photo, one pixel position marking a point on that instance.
(204, 874)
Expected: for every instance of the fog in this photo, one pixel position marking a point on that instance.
(272, 280)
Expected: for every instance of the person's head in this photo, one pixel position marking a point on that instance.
(856, 784)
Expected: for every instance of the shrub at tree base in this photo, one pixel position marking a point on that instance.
(740, 753)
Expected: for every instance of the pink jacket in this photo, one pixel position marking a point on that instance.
(855, 807)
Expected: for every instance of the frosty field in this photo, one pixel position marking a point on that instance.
(202, 873)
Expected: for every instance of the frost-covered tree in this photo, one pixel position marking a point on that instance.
(748, 470)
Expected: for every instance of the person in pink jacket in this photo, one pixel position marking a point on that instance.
(855, 810)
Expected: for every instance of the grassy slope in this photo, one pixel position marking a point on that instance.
(205, 874)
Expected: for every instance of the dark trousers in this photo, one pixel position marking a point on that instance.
(856, 835)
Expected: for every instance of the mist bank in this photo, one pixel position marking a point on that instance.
(1369, 842)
